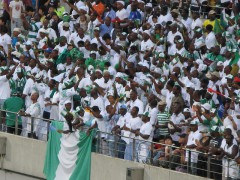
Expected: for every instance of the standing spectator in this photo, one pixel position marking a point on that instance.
(34, 110)
(229, 152)
(162, 120)
(16, 8)
(118, 129)
(191, 144)
(13, 104)
(5, 39)
(132, 126)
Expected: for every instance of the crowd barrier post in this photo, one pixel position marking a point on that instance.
(32, 126)
(189, 162)
(134, 149)
(209, 165)
(16, 124)
(152, 148)
(115, 146)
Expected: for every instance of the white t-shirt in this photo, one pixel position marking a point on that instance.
(138, 103)
(97, 102)
(210, 40)
(134, 124)
(27, 91)
(5, 40)
(17, 8)
(193, 136)
(4, 88)
(122, 14)
(146, 129)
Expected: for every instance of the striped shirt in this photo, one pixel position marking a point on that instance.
(32, 34)
(163, 119)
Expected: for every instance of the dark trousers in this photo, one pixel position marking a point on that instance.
(11, 129)
(216, 169)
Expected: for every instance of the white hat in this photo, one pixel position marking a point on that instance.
(28, 43)
(206, 106)
(149, 5)
(98, 70)
(118, 75)
(121, 2)
(175, 11)
(199, 61)
(67, 102)
(84, 8)
(38, 76)
(96, 29)
(212, 12)
(186, 110)
(140, 1)
(147, 32)
(17, 30)
(65, 24)
(60, 67)
(220, 63)
(93, 52)
(161, 55)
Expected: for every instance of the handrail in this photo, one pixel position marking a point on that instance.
(118, 135)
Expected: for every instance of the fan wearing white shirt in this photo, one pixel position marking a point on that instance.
(146, 44)
(51, 32)
(135, 102)
(118, 129)
(132, 127)
(122, 13)
(96, 100)
(193, 136)
(145, 133)
(171, 36)
(211, 40)
(80, 37)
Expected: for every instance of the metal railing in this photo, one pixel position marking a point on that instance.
(21, 129)
(195, 162)
(144, 151)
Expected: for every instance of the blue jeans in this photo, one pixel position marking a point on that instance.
(121, 148)
(129, 152)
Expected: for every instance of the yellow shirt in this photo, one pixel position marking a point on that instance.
(207, 22)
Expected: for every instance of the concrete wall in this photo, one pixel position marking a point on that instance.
(107, 168)
(7, 175)
(26, 156)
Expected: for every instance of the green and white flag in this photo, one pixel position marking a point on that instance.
(68, 156)
(224, 19)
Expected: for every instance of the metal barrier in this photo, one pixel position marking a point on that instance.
(21, 129)
(195, 162)
(143, 151)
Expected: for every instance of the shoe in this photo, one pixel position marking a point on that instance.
(34, 136)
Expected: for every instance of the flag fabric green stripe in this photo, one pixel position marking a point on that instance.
(60, 158)
(83, 164)
(53, 148)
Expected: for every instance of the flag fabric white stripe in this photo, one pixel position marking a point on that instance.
(68, 156)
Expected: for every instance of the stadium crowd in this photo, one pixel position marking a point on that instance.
(162, 71)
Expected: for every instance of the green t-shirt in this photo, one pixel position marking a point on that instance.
(13, 104)
(211, 102)
(213, 57)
